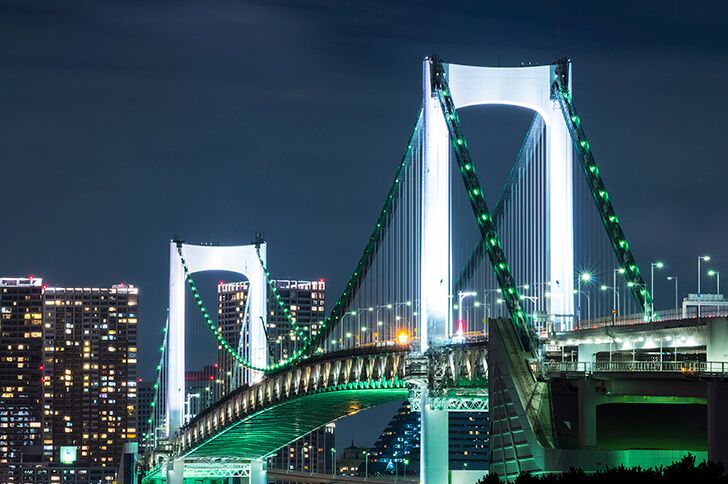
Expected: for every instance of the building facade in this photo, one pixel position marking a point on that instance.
(68, 362)
(90, 371)
(24, 429)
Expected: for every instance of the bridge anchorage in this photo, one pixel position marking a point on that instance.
(458, 309)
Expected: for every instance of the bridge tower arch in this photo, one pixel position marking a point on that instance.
(528, 87)
(242, 259)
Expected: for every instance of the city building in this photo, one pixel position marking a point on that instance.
(398, 443)
(315, 452)
(469, 440)
(90, 371)
(397, 450)
(351, 461)
(23, 427)
(68, 375)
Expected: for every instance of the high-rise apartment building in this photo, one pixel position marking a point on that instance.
(22, 426)
(90, 372)
(68, 381)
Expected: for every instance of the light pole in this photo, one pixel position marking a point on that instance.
(303, 458)
(705, 258)
(585, 277)
(366, 464)
(588, 302)
(715, 273)
(659, 265)
(341, 327)
(462, 295)
(188, 405)
(674, 278)
(333, 461)
(615, 298)
(404, 470)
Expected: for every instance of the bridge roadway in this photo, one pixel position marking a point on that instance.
(253, 422)
(313, 478)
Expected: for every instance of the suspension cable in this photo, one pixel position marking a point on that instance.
(151, 421)
(560, 91)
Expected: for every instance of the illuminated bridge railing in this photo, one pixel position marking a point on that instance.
(554, 368)
(639, 318)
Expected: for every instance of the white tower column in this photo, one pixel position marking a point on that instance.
(435, 254)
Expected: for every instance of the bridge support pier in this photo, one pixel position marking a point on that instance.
(176, 471)
(717, 421)
(258, 473)
(434, 445)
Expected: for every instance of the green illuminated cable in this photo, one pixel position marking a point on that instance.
(560, 92)
(350, 291)
(487, 228)
(158, 381)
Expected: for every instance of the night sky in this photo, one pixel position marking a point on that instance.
(123, 124)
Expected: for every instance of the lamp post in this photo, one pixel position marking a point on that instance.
(659, 265)
(341, 327)
(615, 298)
(674, 278)
(462, 295)
(188, 405)
(585, 277)
(588, 303)
(366, 464)
(333, 461)
(715, 273)
(705, 258)
(404, 470)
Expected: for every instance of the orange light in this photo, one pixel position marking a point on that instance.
(403, 337)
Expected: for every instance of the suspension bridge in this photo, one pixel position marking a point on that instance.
(458, 307)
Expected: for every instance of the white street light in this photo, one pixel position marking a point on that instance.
(715, 273)
(674, 278)
(659, 265)
(705, 258)
(462, 295)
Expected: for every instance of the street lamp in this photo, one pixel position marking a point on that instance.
(462, 295)
(674, 278)
(715, 273)
(705, 258)
(659, 265)
(405, 462)
(333, 461)
(615, 298)
(583, 277)
(188, 405)
(366, 464)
